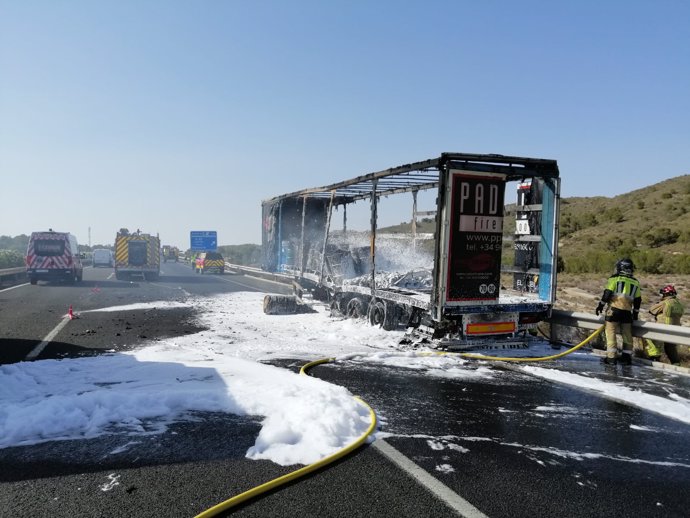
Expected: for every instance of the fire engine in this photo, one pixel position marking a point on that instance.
(137, 254)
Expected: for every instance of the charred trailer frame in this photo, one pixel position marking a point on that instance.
(493, 276)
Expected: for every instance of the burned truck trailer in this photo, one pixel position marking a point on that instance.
(491, 274)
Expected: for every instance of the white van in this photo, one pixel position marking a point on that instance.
(53, 256)
(103, 257)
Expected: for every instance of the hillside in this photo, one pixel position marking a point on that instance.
(650, 225)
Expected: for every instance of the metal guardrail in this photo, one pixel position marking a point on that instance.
(12, 274)
(12, 271)
(674, 334)
(258, 272)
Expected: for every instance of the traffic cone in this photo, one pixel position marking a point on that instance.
(69, 313)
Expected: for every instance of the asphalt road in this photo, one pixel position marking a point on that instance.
(510, 444)
(515, 445)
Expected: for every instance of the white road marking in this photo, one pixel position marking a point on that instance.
(15, 287)
(112, 274)
(438, 488)
(239, 283)
(39, 348)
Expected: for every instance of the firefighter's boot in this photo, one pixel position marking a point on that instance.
(652, 351)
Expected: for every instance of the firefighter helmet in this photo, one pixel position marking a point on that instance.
(668, 291)
(625, 267)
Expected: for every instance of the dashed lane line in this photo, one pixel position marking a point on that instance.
(49, 338)
(438, 488)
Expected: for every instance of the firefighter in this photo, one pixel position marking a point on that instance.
(622, 298)
(667, 311)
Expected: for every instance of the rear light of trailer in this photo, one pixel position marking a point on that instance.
(490, 328)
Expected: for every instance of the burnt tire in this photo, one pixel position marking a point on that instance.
(382, 314)
(376, 313)
(280, 304)
(355, 308)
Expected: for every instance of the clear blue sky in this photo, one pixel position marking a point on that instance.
(175, 116)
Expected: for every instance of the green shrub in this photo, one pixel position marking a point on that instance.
(649, 261)
(660, 237)
(615, 214)
(10, 259)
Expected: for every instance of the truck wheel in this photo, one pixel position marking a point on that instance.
(355, 308)
(383, 314)
(33, 281)
(376, 313)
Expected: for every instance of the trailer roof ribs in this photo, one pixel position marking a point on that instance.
(424, 175)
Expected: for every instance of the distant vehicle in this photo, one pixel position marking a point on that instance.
(137, 254)
(170, 253)
(211, 262)
(103, 257)
(53, 256)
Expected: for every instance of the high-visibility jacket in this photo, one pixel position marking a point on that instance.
(668, 311)
(623, 293)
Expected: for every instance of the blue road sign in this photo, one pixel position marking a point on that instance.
(203, 240)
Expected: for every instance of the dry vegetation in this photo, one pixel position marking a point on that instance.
(650, 225)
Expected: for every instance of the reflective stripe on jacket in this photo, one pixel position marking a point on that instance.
(623, 292)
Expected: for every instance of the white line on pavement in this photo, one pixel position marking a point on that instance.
(39, 348)
(15, 287)
(110, 276)
(438, 488)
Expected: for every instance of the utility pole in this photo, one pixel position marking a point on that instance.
(89, 237)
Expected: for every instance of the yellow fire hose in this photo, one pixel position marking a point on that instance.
(528, 359)
(272, 484)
